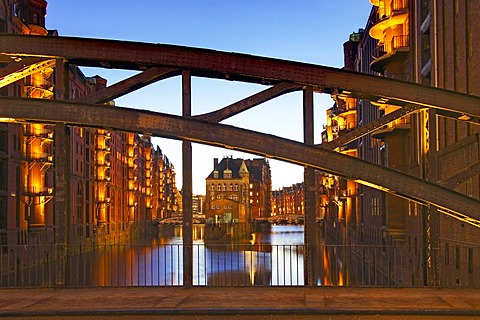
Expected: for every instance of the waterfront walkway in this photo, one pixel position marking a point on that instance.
(239, 301)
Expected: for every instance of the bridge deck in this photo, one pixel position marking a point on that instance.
(247, 300)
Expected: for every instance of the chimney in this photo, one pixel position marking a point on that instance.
(215, 163)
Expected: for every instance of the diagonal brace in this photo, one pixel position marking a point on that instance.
(128, 85)
(249, 102)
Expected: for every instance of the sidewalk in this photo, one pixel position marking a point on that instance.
(249, 300)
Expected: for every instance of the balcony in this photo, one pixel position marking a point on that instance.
(103, 149)
(104, 164)
(39, 191)
(44, 134)
(396, 48)
(387, 7)
(44, 91)
(40, 156)
(397, 126)
(104, 134)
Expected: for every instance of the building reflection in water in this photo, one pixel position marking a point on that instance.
(273, 258)
(269, 258)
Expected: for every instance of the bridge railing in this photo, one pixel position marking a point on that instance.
(156, 264)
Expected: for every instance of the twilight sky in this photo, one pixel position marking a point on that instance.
(310, 31)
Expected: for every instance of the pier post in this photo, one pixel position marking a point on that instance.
(310, 277)
(62, 180)
(187, 187)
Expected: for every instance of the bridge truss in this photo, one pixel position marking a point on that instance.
(29, 54)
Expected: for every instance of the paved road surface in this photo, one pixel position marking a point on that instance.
(241, 303)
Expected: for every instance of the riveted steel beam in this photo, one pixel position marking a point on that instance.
(128, 85)
(62, 180)
(163, 125)
(239, 67)
(309, 187)
(187, 188)
(249, 102)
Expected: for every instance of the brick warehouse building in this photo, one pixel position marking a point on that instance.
(238, 190)
(288, 200)
(119, 182)
(431, 42)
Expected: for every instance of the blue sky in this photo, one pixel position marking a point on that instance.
(310, 31)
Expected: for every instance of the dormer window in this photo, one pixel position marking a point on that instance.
(215, 174)
(227, 174)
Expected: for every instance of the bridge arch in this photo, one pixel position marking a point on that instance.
(238, 67)
(176, 127)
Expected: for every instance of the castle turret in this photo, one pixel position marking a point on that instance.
(32, 13)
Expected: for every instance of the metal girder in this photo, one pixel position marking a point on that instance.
(187, 188)
(368, 128)
(19, 70)
(128, 85)
(249, 102)
(310, 203)
(163, 125)
(239, 67)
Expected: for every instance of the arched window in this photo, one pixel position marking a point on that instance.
(231, 187)
(224, 187)
(219, 187)
(212, 187)
(236, 187)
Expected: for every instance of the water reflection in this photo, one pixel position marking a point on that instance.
(268, 258)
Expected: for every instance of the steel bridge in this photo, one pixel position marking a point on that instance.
(28, 54)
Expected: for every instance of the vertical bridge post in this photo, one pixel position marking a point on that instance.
(187, 187)
(310, 277)
(62, 180)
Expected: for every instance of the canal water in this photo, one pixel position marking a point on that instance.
(273, 257)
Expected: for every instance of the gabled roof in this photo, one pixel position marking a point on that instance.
(253, 167)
